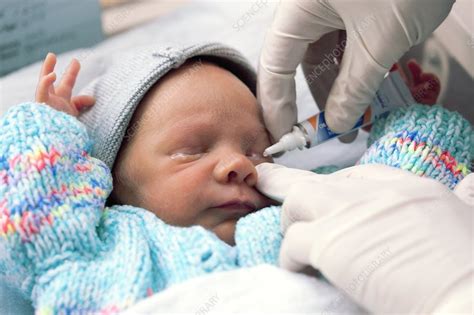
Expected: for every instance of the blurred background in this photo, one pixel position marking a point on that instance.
(145, 10)
(29, 28)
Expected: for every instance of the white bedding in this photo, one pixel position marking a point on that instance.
(206, 21)
(264, 290)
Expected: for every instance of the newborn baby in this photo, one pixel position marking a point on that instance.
(203, 141)
(183, 173)
(182, 136)
(174, 137)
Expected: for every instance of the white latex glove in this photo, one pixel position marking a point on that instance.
(378, 34)
(394, 242)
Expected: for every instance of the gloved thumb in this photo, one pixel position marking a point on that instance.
(296, 246)
(274, 180)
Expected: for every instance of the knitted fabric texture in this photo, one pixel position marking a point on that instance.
(67, 253)
(427, 141)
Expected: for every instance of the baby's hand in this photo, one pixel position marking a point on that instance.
(59, 97)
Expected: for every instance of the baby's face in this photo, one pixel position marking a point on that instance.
(197, 137)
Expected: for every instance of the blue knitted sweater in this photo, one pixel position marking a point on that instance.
(63, 249)
(67, 252)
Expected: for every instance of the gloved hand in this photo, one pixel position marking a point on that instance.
(378, 34)
(393, 241)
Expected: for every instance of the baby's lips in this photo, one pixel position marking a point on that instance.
(244, 202)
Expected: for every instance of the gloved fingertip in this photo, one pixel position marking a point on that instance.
(267, 167)
(262, 166)
(286, 262)
(297, 246)
(335, 123)
(349, 138)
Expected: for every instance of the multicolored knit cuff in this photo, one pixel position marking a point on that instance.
(427, 141)
(51, 191)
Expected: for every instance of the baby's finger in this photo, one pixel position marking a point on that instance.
(69, 79)
(48, 65)
(42, 91)
(81, 102)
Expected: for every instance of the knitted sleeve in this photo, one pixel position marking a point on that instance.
(52, 193)
(428, 141)
(258, 237)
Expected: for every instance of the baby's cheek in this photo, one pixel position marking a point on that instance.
(176, 201)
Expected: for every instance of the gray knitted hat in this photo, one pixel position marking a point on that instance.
(121, 88)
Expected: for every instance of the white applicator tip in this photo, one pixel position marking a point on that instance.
(274, 149)
(288, 142)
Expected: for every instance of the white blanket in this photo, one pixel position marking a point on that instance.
(264, 289)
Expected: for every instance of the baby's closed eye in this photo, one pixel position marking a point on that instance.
(194, 153)
(188, 154)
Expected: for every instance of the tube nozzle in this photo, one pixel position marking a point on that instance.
(288, 142)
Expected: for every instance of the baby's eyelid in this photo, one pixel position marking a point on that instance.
(180, 156)
(190, 150)
(187, 153)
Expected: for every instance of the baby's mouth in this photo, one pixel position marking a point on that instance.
(236, 208)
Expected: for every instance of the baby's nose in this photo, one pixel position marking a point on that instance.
(235, 167)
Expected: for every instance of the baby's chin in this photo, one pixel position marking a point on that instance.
(226, 231)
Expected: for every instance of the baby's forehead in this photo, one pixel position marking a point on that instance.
(212, 119)
(199, 88)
